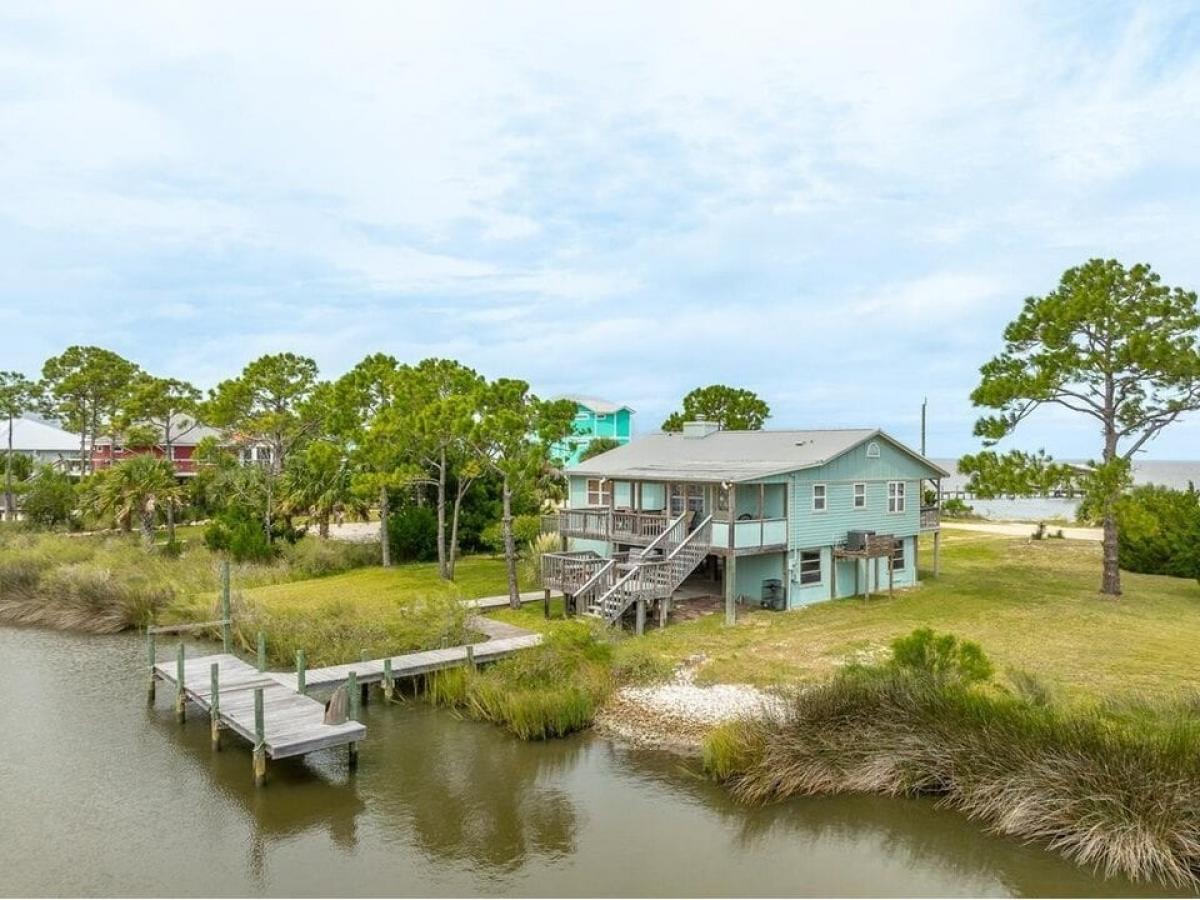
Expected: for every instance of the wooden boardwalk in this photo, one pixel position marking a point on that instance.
(293, 723)
(410, 664)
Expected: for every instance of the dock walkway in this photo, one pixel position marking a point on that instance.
(293, 723)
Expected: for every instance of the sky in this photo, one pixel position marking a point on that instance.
(838, 206)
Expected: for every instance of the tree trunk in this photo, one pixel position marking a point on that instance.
(385, 549)
(452, 550)
(510, 547)
(443, 570)
(171, 505)
(1110, 581)
(148, 527)
(9, 513)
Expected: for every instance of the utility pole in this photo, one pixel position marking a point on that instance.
(924, 402)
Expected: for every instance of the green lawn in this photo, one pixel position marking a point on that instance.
(1032, 605)
(377, 610)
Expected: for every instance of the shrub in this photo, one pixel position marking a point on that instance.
(957, 508)
(549, 691)
(312, 557)
(1159, 531)
(243, 538)
(530, 570)
(941, 656)
(526, 531)
(49, 498)
(412, 534)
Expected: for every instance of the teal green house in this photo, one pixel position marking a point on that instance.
(779, 519)
(594, 418)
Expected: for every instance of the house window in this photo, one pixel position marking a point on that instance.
(810, 566)
(818, 498)
(895, 496)
(599, 492)
(859, 495)
(898, 553)
(686, 496)
(872, 450)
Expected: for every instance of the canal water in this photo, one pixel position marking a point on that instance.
(102, 796)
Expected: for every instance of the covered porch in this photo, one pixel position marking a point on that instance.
(750, 517)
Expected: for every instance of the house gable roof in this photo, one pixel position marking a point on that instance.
(29, 435)
(595, 404)
(733, 455)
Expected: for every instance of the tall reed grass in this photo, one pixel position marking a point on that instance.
(111, 583)
(1121, 794)
(547, 692)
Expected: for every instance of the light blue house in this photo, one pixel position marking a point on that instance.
(772, 518)
(594, 418)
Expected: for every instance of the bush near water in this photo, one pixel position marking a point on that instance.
(549, 691)
(1115, 788)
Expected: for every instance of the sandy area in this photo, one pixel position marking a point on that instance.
(678, 714)
(355, 532)
(1025, 529)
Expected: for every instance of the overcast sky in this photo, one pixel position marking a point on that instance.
(838, 207)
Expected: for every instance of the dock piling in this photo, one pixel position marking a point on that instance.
(389, 683)
(214, 705)
(150, 664)
(226, 636)
(180, 696)
(262, 652)
(300, 686)
(471, 657)
(260, 740)
(366, 688)
(352, 694)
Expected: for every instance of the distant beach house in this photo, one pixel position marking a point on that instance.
(594, 418)
(777, 518)
(187, 435)
(46, 444)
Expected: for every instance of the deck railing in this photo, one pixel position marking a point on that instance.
(567, 572)
(585, 522)
(931, 517)
(638, 526)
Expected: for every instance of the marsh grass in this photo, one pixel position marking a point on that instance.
(105, 584)
(1118, 793)
(546, 692)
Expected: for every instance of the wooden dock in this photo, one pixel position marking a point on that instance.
(293, 724)
(272, 711)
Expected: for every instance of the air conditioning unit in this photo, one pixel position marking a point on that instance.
(857, 539)
(772, 594)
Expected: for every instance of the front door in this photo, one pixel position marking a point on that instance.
(687, 496)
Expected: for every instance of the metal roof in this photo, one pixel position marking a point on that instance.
(29, 435)
(731, 455)
(595, 404)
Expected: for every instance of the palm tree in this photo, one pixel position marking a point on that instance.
(317, 482)
(137, 487)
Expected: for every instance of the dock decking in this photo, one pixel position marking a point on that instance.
(293, 723)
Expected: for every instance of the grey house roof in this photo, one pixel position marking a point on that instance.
(731, 455)
(595, 404)
(30, 436)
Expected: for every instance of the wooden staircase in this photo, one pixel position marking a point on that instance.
(650, 573)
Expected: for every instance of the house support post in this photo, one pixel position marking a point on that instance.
(640, 625)
(832, 575)
(731, 561)
(937, 552)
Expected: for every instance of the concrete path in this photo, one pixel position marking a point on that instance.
(1025, 529)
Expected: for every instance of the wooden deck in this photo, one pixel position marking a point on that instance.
(293, 723)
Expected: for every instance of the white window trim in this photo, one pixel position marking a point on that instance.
(873, 450)
(854, 495)
(603, 490)
(899, 498)
(824, 507)
(902, 548)
(800, 569)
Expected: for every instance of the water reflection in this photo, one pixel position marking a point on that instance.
(466, 793)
